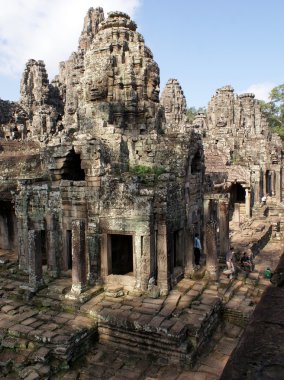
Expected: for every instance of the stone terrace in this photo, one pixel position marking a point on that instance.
(45, 335)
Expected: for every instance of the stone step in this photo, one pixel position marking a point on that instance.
(143, 341)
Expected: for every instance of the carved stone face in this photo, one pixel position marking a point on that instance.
(97, 67)
(97, 88)
(168, 104)
(153, 83)
(221, 121)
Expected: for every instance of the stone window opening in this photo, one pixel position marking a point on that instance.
(72, 170)
(196, 164)
(121, 250)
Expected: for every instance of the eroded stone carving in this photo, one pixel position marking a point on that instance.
(111, 156)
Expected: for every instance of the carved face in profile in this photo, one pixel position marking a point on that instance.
(153, 82)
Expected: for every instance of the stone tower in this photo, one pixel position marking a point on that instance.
(111, 184)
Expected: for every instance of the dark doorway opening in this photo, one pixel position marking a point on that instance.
(72, 170)
(178, 258)
(238, 193)
(8, 226)
(121, 254)
(43, 247)
(269, 189)
(69, 249)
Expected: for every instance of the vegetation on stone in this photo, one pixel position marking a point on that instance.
(274, 110)
(192, 112)
(142, 170)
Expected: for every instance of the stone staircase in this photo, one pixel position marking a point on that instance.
(178, 327)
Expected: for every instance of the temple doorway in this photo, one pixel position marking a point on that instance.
(177, 249)
(178, 256)
(269, 182)
(43, 247)
(237, 208)
(121, 248)
(8, 227)
(238, 193)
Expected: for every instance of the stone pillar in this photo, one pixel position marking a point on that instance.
(79, 270)
(264, 184)
(162, 259)
(138, 260)
(23, 250)
(145, 261)
(248, 202)
(210, 243)
(93, 275)
(35, 259)
(278, 187)
(105, 256)
(52, 242)
(206, 212)
(224, 226)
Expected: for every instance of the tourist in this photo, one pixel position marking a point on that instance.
(197, 250)
(246, 262)
(229, 261)
(263, 200)
(268, 273)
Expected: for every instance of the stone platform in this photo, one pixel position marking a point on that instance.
(175, 326)
(115, 333)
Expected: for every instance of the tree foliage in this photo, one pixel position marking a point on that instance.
(193, 111)
(274, 110)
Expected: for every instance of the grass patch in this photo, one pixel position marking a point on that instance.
(143, 170)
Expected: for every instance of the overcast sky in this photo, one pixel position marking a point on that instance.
(205, 44)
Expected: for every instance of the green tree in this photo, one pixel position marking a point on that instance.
(274, 110)
(192, 112)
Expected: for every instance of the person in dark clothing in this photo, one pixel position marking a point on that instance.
(197, 250)
(246, 262)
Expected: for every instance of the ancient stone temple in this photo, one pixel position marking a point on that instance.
(98, 176)
(243, 160)
(243, 178)
(103, 185)
(243, 156)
